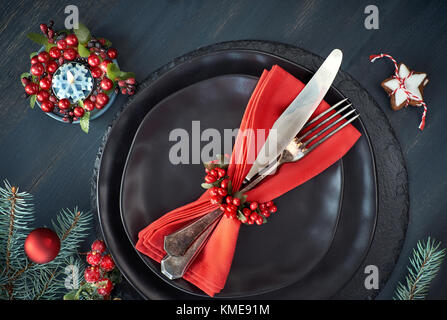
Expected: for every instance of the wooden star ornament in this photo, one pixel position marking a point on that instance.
(408, 81)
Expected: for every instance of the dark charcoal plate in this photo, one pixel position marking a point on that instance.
(357, 216)
(280, 252)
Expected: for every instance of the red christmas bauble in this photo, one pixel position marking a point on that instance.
(42, 245)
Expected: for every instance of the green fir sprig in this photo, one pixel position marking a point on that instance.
(424, 266)
(20, 278)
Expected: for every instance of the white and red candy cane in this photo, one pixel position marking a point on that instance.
(410, 95)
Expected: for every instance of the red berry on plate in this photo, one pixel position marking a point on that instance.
(216, 199)
(98, 106)
(45, 83)
(93, 257)
(229, 200)
(106, 84)
(62, 44)
(246, 212)
(214, 191)
(223, 207)
(254, 216)
(71, 40)
(249, 221)
(34, 60)
(265, 213)
(224, 184)
(103, 65)
(221, 172)
(102, 99)
(70, 54)
(273, 209)
(107, 263)
(43, 57)
(37, 69)
(223, 192)
(237, 202)
(105, 286)
(112, 53)
(213, 172)
(93, 60)
(262, 206)
(209, 178)
(64, 104)
(259, 221)
(269, 203)
(42, 96)
(47, 106)
(92, 274)
(31, 88)
(253, 206)
(52, 67)
(96, 72)
(102, 41)
(98, 245)
(78, 112)
(89, 105)
(55, 52)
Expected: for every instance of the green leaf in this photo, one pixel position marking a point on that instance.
(83, 51)
(241, 216)
(85, 122)
(37, 38)
(207, 185)
(264, 220)
(33, 54)
(113, 72)
(82, 33)
(32, 101)
(71, 295)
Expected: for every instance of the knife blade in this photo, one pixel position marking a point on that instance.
(291, 121)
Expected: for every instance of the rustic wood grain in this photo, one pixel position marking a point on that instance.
(55, 160)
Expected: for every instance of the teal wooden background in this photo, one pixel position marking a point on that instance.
(54, 161)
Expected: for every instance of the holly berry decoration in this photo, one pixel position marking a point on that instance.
(42, 245)
(233, 204)
(77, 46)
(100, 272)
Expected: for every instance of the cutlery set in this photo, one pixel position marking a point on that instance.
(295, 138)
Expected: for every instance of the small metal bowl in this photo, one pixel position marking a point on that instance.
(96, 113)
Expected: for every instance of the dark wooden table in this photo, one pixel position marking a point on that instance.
(54, 161)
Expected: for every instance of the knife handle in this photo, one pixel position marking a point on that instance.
(174, 267)
(177, 243)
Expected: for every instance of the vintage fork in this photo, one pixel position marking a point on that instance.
(183, 245)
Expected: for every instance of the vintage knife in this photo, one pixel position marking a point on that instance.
(183, 245)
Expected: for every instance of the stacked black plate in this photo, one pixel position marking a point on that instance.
(325, 228)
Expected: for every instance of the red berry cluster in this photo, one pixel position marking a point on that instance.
(100, 265)
(64, 48)
(232, 204)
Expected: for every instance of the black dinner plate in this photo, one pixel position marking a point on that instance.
(351, 201)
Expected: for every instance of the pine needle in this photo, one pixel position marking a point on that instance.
(424, 266)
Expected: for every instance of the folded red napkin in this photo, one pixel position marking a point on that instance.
(275, 90)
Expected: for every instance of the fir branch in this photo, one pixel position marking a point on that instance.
(424, 266)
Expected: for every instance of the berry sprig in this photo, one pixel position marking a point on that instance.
(78, 46)
(233, 204)
(99, 276)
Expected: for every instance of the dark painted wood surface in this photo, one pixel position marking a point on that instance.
(54, 161)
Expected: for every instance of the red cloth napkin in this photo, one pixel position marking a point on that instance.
(275, 90)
